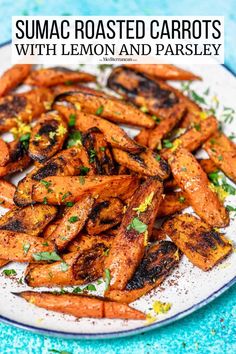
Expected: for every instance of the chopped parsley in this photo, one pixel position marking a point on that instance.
(64, 267)
(156, 119)
(92, 155)
(77, 290)
(45, 183)
(197, 126)
(9, 272)
(230, 208)
(73, 219)
(45, 201)
(137, 225)
(158, 157)
(181, 199)
(26, 248)
(84, 170)
(197, 98)
(99, 110)
(81, 180)
(46, 256)
(102, 148)
(90, 287)
(107, 278)
(25, 137)
(167, 143)
(66, 195)
(70, 204)
(72, 120)
(75, 139)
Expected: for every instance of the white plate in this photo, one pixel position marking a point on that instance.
(187, 289)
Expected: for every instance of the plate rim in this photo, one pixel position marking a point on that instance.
(129, 332)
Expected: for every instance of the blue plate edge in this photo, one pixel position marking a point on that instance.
(124, 333)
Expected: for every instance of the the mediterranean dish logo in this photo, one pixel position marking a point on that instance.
(109, 40)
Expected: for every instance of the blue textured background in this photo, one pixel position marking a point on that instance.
(211, 329)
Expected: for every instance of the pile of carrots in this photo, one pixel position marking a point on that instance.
(89, 205)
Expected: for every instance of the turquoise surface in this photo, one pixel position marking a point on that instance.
(210, 330)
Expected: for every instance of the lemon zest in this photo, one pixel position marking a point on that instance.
(144, 205)
(161, 307)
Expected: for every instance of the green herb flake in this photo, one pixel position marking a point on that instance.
(72, 120)
(70, 204)
(230, 208)
(66, 195)
(9, 272)
(181, 199)
(45, 243)
(75, 139)
(99, 110)
(90, 287)
(167, 144)
(220, 158)
(77, 290)
(45, 200)
(81, 180)
(45, 183)
(46, 256)
(158, 157)
(197, 126)
(197, 98)
(73, 219)
(84, 170)
(26, 248)
(137, 225)
(144, 109)
(102, 148)
(107, 278)
(25, 137)
(156, 119)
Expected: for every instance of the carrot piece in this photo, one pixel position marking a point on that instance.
(7, 191)
(5, 153)
(108, 108)
(143, 137)
(194, 183)
(204, 246)
(13, 77)
(222, 151)
(172, 203)
(158, 262)
(129, 245)
(72, 222)
(81, 306)
(54, 188)
(20, 247)
(163, 71)
(147, 163)
(47, 77)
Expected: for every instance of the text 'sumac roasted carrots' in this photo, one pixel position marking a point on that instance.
(13, 77)
(7, 191)
(163, 71)
(203, 245)
(222, 151)
(82, 306)
(159, 260)
(129, 245)
(108, 108)
(20, 247)
(72, 222)
(57, 75)
(54, 188)
(191, 178)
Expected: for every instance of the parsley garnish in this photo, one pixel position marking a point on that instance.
(73, 219)
(137, 225)
(181, 199)
(45, 183)
(90, 287)
(158, 157)
(107, 278)
(72, 120)
(167, 143)
(75, 139)
(64, 266)
(70, 204)
(66, 195)
(92, 155)
(26, 248)
(46, 256)
(84, 170)
(81, 180)
(99, 110)
(9, 272)
(77, 290)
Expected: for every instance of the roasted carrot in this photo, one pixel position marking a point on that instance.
(20, 247)
(114, 135)
(193, 138)
(143, 137)
(204, 246)
(163, 71)
(54, 188)
(172, 203)
(59, 89)
(84, 242)
(48, 136)
(222, 151)
(82, 306)
(12, 77)
(147, 163)
(30, 220)
(99, 153)
(194, 183)
(208, 165)
(47, 77)
(5, 153)
(72, 222)
(105, 214)
(129, 245)
(7, 191)
(15, 166)
(68, 162)
(164, 127)
(23, 107)
(158, 262)
(3, 262)
(108, 108)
